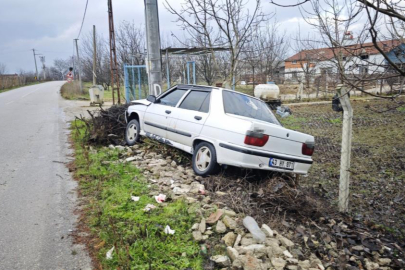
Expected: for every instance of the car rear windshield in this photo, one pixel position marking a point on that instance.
(246, 106)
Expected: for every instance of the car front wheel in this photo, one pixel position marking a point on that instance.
(132, 132)
(205, 159)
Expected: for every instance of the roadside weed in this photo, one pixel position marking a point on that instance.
(116, 221)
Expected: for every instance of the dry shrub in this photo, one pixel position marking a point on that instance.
(71, 90)
(106, 126)
(266, 195)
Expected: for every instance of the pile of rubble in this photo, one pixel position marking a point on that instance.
(243, 245)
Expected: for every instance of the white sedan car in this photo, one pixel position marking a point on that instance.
(219, 127)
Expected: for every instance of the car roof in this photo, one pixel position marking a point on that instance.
(207, 87)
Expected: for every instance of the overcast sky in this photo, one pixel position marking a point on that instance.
(50, 26)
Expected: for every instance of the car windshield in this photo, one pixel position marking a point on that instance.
(246, 106)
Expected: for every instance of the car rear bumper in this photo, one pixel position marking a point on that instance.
(248, 158)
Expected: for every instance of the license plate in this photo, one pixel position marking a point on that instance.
(283, 164)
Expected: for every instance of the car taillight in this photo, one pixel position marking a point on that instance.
(256, 138)
(308, 149)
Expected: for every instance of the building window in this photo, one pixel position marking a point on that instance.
(364, 57)
(344, 58)
(294, 61)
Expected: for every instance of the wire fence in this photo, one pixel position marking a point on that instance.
(377, 173)
(136, 82)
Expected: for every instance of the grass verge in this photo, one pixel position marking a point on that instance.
(114, 220)
(72, 91)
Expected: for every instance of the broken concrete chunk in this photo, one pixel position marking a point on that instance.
(284, 241)
(214, 217)
(287, 254)
(304, 264)
(229, 222)
(232, 253)
(229, 212)
(202, 226)
(197, 235)
(221, 260)
(278, 263)
(384, 261)
(371, 265)
(229, 239)
(246, 241)
(267, 231)
(220, 227)
(237, 241)
(256, 249)
(250, 262)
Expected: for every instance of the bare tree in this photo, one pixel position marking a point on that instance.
(3, 68)
(59, 69)
(131, 44)
(200, 28)
(221, 23)
(102, 60)
(266, 50)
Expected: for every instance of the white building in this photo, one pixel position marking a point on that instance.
(357, 59)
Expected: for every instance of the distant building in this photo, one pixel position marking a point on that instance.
(357, 59)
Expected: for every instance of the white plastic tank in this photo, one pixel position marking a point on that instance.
(267, 91)
(96, 93)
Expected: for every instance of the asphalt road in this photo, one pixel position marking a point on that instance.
(37, 193)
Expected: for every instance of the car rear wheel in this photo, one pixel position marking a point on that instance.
(205, 159)
(132, 132)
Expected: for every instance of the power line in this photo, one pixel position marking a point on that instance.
(84, 16)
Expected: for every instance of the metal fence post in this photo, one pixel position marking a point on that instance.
(344, 180)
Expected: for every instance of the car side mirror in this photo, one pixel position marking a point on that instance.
(151, 98)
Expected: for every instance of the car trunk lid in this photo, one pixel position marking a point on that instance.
(282, 140)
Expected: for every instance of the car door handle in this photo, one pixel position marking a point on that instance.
(168, 112)
(197, 118)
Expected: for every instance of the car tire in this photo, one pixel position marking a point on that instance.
(132, 132)
(205, 159)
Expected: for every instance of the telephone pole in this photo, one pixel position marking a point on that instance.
(154, 65)
(115, 78)
(35, 59)
(78, 65)
(94, 55)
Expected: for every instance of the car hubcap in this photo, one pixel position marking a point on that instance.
(131, 132)
(203, 158)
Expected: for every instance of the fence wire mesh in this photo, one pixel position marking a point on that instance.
(377, 158)
(136, 82)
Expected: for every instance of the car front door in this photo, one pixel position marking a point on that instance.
(189, 117)
(157, 114)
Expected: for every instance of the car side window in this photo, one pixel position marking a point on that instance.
(196, 101)
(172, 98)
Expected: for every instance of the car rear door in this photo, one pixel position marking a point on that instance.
(189, 117)
(156, 117)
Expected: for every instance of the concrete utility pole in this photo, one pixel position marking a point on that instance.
(78, 66)
(35, 59)
(344, 180)
(154, 65)
(94, 55)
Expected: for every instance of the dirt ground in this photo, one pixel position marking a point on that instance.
(73, 108)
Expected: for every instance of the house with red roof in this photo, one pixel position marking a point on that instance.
(356, 59)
